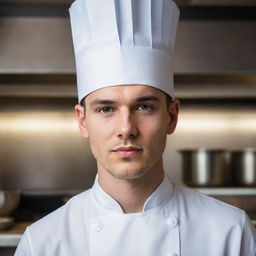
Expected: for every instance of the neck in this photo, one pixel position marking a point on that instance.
(131, 194)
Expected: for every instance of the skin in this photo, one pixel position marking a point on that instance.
(127, 127)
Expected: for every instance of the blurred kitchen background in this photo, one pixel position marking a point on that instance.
(42, 153)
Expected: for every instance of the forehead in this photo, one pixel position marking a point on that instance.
(125, 92)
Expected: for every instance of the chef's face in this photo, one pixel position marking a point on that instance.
(127, 128)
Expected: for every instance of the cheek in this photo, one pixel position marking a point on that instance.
(97, 129)
(155, 131)
(157, 124)
(102, 131)
(98, 135)
(97, 146)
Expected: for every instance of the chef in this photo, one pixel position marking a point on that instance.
(124, 64)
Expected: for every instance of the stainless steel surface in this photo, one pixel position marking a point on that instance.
(41, 146)
(244, 167)
(214, 86)
(38, 85)
(210, 125)
(226, 191)
(9, 240)
(9, 201)
(215, 47)
(41, 45)
(36, 45)
(204, 167)
(244, 198)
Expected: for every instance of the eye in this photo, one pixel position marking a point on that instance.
(106, 110)
(145, 107)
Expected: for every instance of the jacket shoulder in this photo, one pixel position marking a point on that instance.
(72, 207)
(199, 204)
(218, 225)
(61, 225)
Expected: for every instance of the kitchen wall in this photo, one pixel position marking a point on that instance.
(41, 148)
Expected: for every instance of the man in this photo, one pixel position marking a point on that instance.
(124, 68)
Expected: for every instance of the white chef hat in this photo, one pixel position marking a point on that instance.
(123, 42)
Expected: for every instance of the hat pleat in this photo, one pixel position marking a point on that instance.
(166, 23)
(124, 19)
(142, 26)
(172, 16)
(103, 33)
(79, 22)
(156, 15)
(175, 18)
(151, 24)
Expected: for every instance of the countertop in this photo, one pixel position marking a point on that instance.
(11, 238)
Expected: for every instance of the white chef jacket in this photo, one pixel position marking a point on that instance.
(175, 221)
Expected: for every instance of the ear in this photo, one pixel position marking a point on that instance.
(81, 119)
(173, 112)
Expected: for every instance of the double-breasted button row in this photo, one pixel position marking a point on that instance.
(97, 226)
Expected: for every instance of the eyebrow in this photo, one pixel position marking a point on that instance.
(111, 102)
(102, 102)
(147, 98)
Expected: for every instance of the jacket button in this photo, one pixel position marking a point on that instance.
(97, 227)
(173, 222)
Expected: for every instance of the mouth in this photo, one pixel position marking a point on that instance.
(127, 152)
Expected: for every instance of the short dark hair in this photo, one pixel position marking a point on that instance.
(169, 100)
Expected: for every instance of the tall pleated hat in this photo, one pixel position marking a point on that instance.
(123, 42)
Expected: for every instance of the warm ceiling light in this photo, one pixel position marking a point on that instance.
(217, 123)
(38, 122)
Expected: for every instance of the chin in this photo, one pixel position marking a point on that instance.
(127, 174)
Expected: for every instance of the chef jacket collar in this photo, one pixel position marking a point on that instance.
(158, 198)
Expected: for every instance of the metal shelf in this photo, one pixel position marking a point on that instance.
(11, 238)
(189, 87)
(233, 191)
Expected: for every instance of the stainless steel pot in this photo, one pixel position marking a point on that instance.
(9, 201)
(204, 167)
(243, 166)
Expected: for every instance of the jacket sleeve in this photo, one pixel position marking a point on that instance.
(248, 245)
(23, 248)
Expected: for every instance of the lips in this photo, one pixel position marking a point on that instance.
(127, 152)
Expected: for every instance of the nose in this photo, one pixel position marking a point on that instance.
(126, 126)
